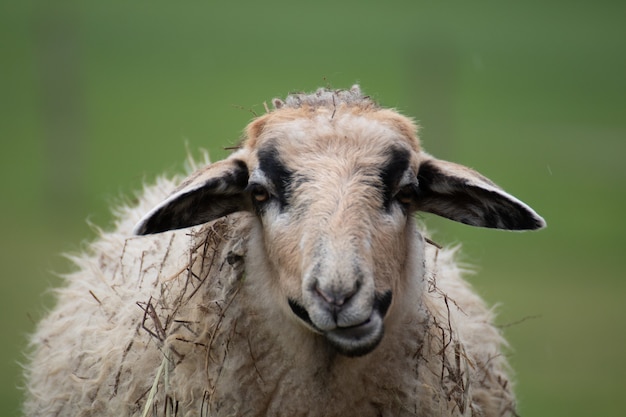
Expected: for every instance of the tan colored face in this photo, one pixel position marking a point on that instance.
(333, 180)
(334, 198)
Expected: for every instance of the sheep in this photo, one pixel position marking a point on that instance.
(288, 279)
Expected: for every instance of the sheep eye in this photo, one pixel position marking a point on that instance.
(405, 195)
(259, 193)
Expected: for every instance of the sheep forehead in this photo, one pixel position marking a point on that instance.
(342, 184)
(306, 139)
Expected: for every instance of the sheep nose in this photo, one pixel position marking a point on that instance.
(336, 297)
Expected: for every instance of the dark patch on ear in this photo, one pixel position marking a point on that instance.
(430, 177)
(215, 198)
(392, 173)
(241, 174)
(276, 171)
(457, 199)
(191, 209)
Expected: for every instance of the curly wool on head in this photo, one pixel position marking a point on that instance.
(324, 97)
(287, 279)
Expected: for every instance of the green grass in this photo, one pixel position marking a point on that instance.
(96, 97)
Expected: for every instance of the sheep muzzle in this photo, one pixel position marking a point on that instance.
(353, 340)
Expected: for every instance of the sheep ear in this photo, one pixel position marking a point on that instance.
(209, 193)
(461, 194)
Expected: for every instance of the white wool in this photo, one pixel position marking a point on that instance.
(445, 348)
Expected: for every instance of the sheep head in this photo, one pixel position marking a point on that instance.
(333, 180)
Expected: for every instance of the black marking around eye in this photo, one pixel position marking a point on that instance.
(392, 173)
(277, 173)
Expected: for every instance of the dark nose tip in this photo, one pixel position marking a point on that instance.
(335, 298)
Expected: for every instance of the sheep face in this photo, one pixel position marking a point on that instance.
(333, 181)
(334, 200)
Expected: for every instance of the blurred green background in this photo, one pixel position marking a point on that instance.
(97, 97)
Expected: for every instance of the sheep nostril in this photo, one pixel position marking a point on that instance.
(336, 298)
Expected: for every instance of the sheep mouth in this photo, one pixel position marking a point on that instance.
(356, 340)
